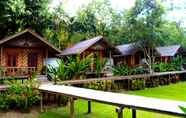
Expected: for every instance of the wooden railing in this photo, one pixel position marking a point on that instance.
(129, 77)
(17, 71)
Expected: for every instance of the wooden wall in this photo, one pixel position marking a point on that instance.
(22, 56)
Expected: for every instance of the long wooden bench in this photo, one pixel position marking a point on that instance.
(121, 100)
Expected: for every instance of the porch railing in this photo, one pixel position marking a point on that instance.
(17, 71)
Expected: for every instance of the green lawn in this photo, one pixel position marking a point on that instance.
(174, 91)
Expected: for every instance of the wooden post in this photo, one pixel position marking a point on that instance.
(119, 110)
(128, 84)
(133, 113)
(110, 57)
(1, 55)
(46, 57)
(1, 63)
(144, 83)
(41, 102)
(71, 107)
(89, 107)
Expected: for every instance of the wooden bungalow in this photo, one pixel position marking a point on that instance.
(24, 53)
(131, 55)
(98, 46)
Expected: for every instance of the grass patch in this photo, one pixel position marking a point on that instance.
(173, 91)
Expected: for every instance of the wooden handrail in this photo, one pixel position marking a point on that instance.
(17, 71)
(130, 77)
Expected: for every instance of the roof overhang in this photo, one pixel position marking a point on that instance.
(45, 41)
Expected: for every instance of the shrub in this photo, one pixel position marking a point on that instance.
(101, 85)
(72, 68)
(173, 65)
(25, 95)
(161, 67)
(99, 65)
(137, 84)
(20, 96)
(4, 104)
(123, 70)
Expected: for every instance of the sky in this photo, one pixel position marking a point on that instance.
(179, 15)
(71, 6)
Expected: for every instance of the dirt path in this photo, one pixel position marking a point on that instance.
(16, 114)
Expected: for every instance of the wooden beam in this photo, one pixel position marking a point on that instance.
(89, 107)
(71, 107)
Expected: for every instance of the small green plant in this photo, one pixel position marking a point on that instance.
(173, 65)
(58, 72)
(101, 85)
(121, 70)
(20, 95)
(4, 104)
(99, 65)
(71, 68)
(78, 66)
(183, 109)
(24, 95)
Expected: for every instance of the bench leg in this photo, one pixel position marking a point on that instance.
(59, 100)
(119, 110)
(71, 107)
(41, 102)
(133, 113)
(89, 107)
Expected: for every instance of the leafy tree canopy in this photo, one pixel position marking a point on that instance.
(144, 22)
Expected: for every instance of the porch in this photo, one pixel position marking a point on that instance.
(17, 72)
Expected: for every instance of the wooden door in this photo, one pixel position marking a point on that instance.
(11, 60)
(32, 59)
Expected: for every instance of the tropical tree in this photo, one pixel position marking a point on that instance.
(143, 22)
